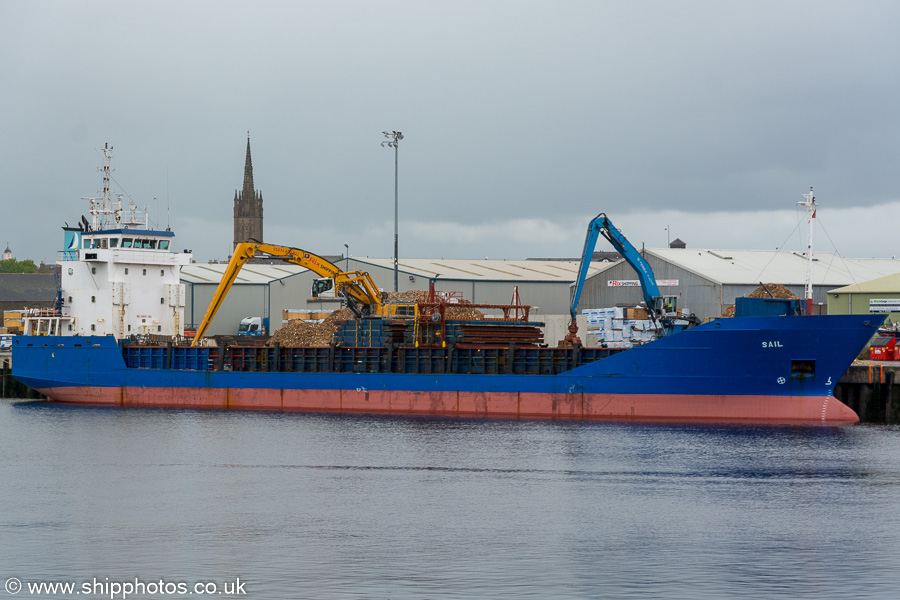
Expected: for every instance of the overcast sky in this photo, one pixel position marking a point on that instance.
(705, 121)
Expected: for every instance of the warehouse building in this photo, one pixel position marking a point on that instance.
(250, 295)
(878, 296)
(708, 281)
(27, 290)
(268, 290)
(705, 281)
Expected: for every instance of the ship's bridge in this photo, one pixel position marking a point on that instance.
(80, 244)
(120, 281)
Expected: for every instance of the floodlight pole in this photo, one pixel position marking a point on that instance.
(394, 138)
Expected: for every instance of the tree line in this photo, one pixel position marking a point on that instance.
(17, 266)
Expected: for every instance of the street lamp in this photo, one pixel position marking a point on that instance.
(393, 141)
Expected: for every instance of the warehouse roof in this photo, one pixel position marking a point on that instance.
(250, 273)
(27, 287)
(489, 270)
(881, 285)
(451, 269)
(738, 267)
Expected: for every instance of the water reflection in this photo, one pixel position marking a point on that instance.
(331, 506)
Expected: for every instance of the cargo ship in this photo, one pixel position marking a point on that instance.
(111, 342)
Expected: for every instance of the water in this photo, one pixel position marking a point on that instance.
(330, 506)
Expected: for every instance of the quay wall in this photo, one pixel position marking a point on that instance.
(872, 389)
(10, 388)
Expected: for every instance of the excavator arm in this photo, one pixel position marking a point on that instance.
(357, 287)
(602, 225)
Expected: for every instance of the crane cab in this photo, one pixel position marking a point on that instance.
(667, 306)
(323, 288)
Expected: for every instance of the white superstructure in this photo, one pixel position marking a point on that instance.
(117, 276)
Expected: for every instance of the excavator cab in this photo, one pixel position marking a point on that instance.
(323, 288)
(667, 306)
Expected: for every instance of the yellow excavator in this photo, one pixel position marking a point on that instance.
(356, 287)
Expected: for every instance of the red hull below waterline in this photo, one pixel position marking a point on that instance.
(578, 406)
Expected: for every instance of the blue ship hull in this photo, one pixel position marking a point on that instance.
(757, 368)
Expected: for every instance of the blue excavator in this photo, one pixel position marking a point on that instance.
(662, 309)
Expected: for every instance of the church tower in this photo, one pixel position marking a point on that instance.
(248, 206)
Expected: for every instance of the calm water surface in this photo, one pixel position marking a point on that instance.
(327, 507)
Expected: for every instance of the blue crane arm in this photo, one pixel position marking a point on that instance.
(602, 225)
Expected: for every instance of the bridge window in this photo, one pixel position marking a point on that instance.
(163, 244)
(127, 242)
(114, 242)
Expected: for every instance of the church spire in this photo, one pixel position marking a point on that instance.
(248, 206)
(249, 190)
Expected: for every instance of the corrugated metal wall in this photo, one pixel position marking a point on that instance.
(702, 296)
(243, 300)
(858, 303)
(551, 297)
(730, 292)
(294, 292)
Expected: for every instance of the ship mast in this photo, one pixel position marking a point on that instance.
(105, 210)
(810, 206)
